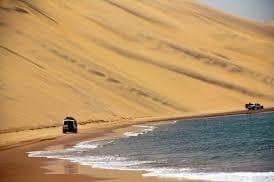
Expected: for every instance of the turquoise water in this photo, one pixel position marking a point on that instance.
(232, 148)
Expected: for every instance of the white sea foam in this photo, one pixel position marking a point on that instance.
(51, 153)
(39, 153)
(122, 163)
(65, 153)
(112, 162)
(86, 145)
(145, 130)
(92, 144)
(104, 162)
(211, 176)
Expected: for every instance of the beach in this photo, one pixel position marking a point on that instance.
(17, 166)
(117, 67)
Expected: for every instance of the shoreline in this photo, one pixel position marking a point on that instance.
(63, 170)
(20, 167)
(126, 123)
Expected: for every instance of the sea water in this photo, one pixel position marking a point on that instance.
(229, 148)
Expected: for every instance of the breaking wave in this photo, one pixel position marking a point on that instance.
(213, 176)
(144, 130)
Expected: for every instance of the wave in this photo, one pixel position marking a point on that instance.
(92, 144)
(86, 145)
(103, 162)
(123, 163)
(212, 176)
(52, 154)
(70, 152)
(145, 130)
(110, 162)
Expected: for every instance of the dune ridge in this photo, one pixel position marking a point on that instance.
(114, 61)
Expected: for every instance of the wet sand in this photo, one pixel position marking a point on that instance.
(16, 166)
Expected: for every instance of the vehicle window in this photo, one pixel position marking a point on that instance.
(67, 122)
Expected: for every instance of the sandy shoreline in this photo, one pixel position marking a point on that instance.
(14, 139)
(16, 166)
(113, 64)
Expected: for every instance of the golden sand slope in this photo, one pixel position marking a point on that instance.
(112, 59)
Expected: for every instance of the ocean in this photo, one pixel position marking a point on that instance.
(229, 148)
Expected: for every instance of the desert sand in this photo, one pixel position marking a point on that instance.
(109, 60)
(111, 63)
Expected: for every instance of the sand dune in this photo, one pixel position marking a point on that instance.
(109, 60)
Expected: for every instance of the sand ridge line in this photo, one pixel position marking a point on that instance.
(120, 81)
(222, 62)
(185, 72)
(136, 13)
(21, 56)
(37, 10)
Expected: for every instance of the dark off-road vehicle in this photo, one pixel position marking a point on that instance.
(254, 106)
(70, 125)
